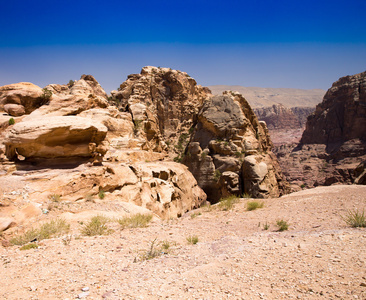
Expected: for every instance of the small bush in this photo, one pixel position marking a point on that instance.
(101, 194)
(46, 94)
(253, 205)
(25, 238)
(266, 226)
(11, 121)
(227, 203)
(282, 225)
(355, 218)
(217, 175)
(71, 83)
(54, 228)
(152, 252)
(165, 245)
(135, 221)
(29, 246)
(195, 215)
(192, 239)
(96, 226)
(55, 197)
(138, 124)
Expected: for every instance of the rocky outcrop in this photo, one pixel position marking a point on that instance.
(76, 146)
(163, 104)
(54, 137)
(334, 142)
(229, 152)
(26, 96)
(279, 116)
(341, 115)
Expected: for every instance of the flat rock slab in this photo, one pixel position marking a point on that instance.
(48, 137)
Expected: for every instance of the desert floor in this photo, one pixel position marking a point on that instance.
(319, 257)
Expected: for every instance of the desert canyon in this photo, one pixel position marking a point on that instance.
(164, 146)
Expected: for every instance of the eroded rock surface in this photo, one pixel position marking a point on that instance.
(334, 142)
(229, 138)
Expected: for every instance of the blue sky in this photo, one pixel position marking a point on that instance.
(279, 43)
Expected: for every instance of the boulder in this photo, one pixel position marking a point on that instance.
(5, 223)
(51, 137)
(168, 189)
(25, 94)
(14, 110)
(229, 138)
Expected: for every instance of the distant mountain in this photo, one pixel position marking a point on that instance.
(264, 97)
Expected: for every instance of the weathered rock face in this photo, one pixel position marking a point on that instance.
(52, 137)
(163, 104)
(25, 95)
(229, 151)
(334, 142)
(76, 145)
(279, 116)
(341, 115)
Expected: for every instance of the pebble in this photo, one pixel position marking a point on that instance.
(83, 295)
(318, 256)
(85, 289)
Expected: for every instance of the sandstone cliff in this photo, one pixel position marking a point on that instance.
(230, 151)
(334, 142)
(279, 116)
(75, 143)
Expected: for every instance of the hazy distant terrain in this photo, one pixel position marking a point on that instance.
(263, 97)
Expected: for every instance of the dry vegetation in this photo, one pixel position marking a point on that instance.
(219, 253)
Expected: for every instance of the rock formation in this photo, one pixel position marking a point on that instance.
(229, 152)
(20, 98)
(73, 143)
(76, 145)
(163, 104)
(279, 116)
(334, 142)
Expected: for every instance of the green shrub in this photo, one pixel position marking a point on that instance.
(29, 246)
(266, 226)
(54, 228)
(192, 239)
(227, 203)
(11, 121)
(355, 218)
(165, 245)
(96, 226)
(71, 83)
(217, 175)
(46, 94)
(282, 225)
(101, 194)
(246, 196)
(135, 221)
(253, 205)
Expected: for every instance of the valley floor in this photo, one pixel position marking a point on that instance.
(319, 257)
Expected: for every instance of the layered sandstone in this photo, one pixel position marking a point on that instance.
(163, 104)
(230, 151)
(77, 145)
(279, 116)
(333, 144)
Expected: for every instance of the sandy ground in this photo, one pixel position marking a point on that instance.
(319, 257)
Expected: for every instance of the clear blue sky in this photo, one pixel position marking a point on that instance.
(279, 43)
